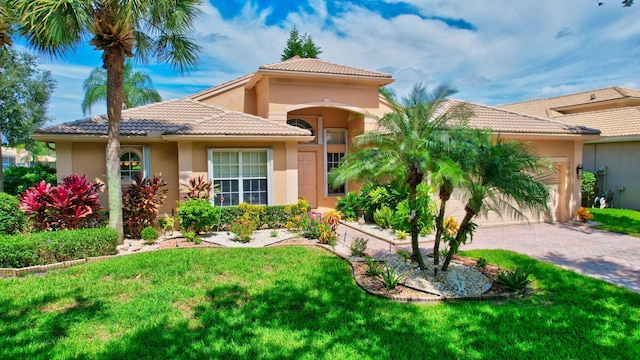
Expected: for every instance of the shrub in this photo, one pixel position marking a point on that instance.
(589, 184)
(17, 179)
(149, 235)
(190, 236)
(243, 227)
(383, 216)
(274, 233)
(514, 280)
(358, 246)
(12, 220)
(140, 203)
(481, 263)
(275, 217)
(401, 235)
(374, 267)
(350, 205)
(253, 211)
(426, 216)
(404, 254)
(199, 188)
(166, 224)
(332, 217)
(583, 214)
(326, 235)
(74, 204)
(196, 215)
(50, 247)
(392, 277)
(226, 215)
(301, 208)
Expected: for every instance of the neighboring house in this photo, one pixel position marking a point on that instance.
(21, 157)
(615, 156)
(273, 135)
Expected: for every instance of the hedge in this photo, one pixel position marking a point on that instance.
(43, 248)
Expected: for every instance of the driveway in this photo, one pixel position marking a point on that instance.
(604, 255)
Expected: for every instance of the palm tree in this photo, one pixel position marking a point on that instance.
(505, 177)
(7, 19)
(156, 28)
(401, 149)
(137, 87)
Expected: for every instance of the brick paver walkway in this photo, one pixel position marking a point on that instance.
(608, 256)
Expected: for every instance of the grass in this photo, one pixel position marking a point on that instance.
(299, 303)
(622, 221)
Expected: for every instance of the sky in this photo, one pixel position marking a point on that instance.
(494, 51)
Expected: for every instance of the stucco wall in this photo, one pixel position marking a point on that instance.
(622, 170)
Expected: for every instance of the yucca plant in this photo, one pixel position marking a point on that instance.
(392, 277)
(515, 280)
(374, 267)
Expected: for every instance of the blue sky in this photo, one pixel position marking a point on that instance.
(494, 51)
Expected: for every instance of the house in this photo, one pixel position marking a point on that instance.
(23, 158)
(615, 156)
(273, 135)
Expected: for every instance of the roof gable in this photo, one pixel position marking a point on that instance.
(316, 66)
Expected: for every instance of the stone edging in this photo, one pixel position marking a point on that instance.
(392, 242)
(17, 272)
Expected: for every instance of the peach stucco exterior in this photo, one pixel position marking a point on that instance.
(335, 107)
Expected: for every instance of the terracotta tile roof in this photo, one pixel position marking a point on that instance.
(317, 66)
(183, 116)
(612, 122)
(505, 121)
(544, 107)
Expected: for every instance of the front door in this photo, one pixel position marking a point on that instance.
(307, 178)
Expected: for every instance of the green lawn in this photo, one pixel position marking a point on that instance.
(299, 303)
(622, 221)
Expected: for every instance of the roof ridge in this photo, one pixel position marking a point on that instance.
(602, 111)
(560, 96)
(221, 85)
(551, 120)
(299, 59)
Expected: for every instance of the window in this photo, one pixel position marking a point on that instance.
(335, 148)
(241, 176)
(134, 159)
(303, 124)
(130, 165)
(333, 160)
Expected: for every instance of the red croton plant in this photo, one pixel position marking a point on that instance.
(73, 204)
(140, 203)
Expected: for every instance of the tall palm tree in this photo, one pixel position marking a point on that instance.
(401, 149)
(506, 176)
(7, 19)
(118, 28)
(137, 87)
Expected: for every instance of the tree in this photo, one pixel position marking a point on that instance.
(506, 176)
(156, 28)
(24, 94)
(7, 19)
(137, 87)
(401, 150)
(302, 46)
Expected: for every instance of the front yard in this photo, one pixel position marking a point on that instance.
(296, 302)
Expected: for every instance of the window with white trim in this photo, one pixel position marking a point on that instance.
(335, 148)
(241, 175)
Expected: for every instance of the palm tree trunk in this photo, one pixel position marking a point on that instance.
(413, 215)
(464, 228)
(444, 197)
(114, 62)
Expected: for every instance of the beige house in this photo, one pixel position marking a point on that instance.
(615, 156)
(273, 135)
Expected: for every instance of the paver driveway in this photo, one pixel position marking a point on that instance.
(603, 255)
